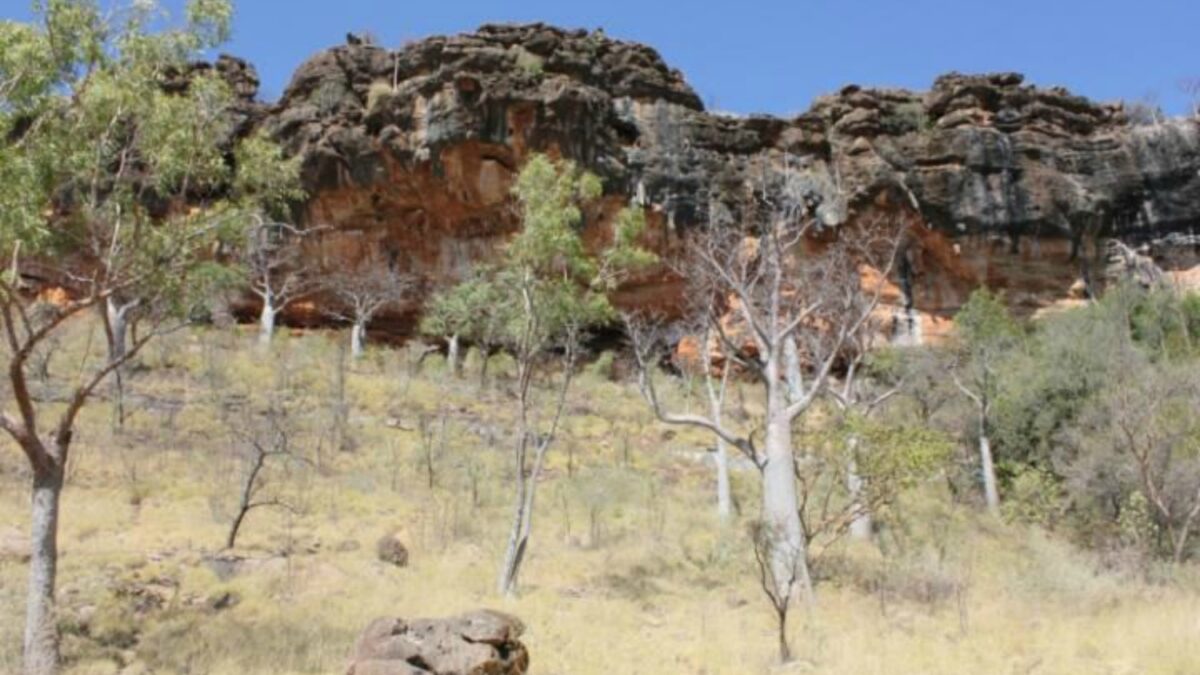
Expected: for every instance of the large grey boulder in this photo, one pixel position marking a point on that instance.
(482, 642)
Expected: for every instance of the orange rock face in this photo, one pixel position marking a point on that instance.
(411, 154)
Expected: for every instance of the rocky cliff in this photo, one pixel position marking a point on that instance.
(409, 154)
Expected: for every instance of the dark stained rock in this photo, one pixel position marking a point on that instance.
(412, 153)
(477, 642)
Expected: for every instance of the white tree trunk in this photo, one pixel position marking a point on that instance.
(860, 525)
(792, 372)
(990, 492)
(266, 323)
(454, 355)
(357, 339)
(781, 515)
(514, 553)
(724, 490)
(118, 324)
(41, 628)
(518, 538)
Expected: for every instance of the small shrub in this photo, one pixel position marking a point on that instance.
(1034, 497)
(604, 367)
(378, 94)
(531, 64)
(906, 118)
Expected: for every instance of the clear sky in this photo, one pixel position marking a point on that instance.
(776, 55)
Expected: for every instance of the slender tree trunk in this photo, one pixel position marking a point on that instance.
(514, 553)
(724, 490)
(485, 356)
(785, 648)
(118, 333)
(860, 526)
(41, 627)
(118, 326)
(266, 323)
(716, 407)
(357, 339)
(245, 499)
(454, 355)
(991, 493)
(518, 538)
(231, 536)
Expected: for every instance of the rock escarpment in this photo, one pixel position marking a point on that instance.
(409, 155)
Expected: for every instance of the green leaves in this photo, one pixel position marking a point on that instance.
(549, 195)
(265, 179)
(120, 154)
(210, 21)
(984, 322)
(548, 281)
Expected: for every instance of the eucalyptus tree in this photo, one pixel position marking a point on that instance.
(987, 335)
(108, 190)
(548, 289)
(474, 311)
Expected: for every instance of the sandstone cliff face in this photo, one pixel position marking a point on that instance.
(410, 154)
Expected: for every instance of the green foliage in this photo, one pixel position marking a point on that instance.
(1164, 323)
(1045, 386)
(896, 457)
(906, 118)
(105, 163)
(547, 282)
(984, 323)
(891, 457)
(532, 64)
(475, 310)
(1034, 496)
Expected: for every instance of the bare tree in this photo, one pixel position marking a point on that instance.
(790, 308)
(261, 442)
(363, 292)
(433, 443)
(277, 271)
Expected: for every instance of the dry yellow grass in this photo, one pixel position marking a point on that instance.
(629, 571)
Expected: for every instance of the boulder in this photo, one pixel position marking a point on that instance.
(391, 550)
(482, 641)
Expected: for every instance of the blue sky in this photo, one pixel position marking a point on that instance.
(775, 56)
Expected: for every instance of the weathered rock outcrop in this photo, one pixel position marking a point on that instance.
(409, 154)
(476, 642)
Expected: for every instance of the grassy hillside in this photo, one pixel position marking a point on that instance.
(629, 569)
